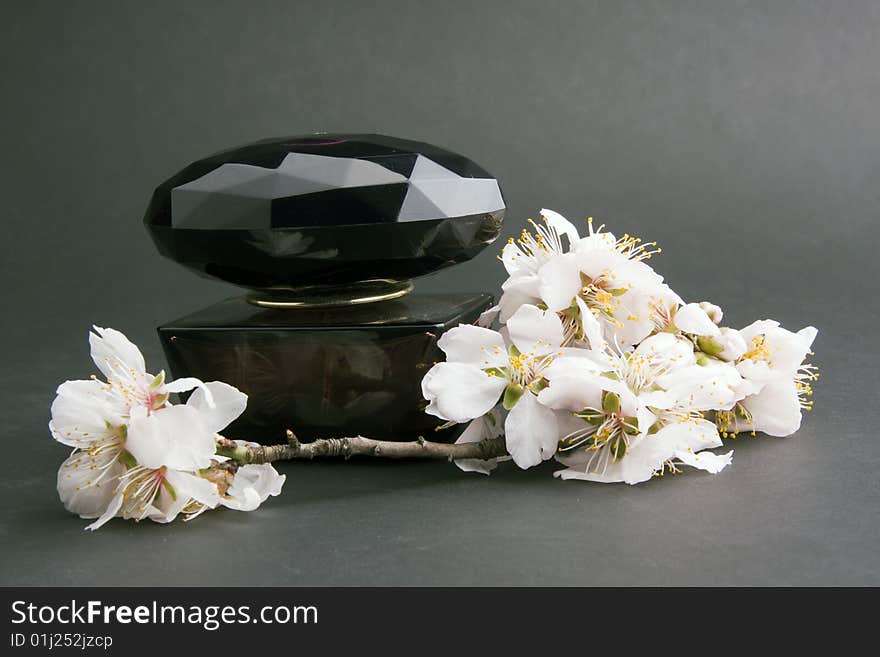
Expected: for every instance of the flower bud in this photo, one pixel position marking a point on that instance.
(728, 345)
(691, 318)
(712, 310)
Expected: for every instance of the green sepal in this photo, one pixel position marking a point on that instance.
(539, 385)
(170, 489)
(127, 459)
(618, 449)
(158, 381)
(611, 402)
(708, 346)
(159, 401)
(631, 425)
(512, 393)
(591, 416)
(702, 359)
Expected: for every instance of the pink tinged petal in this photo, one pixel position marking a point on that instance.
(86, 484)
(81, 412)
(460, 392)
(560, 282)
(251, 486)
(114, 353)
(776, 409)
(531, 432)
(535, 331)
(218, 404)
(474, 345)
(692, 319)
(175, 437)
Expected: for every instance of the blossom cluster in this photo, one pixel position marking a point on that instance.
(601, 365)
(137, 455)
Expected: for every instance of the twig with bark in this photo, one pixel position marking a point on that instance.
(359, 446)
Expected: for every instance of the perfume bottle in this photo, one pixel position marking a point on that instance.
(325, 232)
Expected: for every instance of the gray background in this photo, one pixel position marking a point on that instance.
(742, 136)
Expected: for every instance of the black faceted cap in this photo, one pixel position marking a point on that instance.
(325, 209)
(324, 180)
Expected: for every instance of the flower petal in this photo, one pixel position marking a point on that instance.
(116, 356)
(704, 387)
(590, 326)
(252, 485)
(474, 345)
(110, 512)
(561, 226)
(488, 426)
(86, 484)
(531, 432)
(175, 437)
(560, 281)
(488, 316)
(572, 393)
(218, 404)
(776, 409)
(535, 331)
(460, 392)
(82, 411)
(599, 466)
(187, 487)
(691, 318)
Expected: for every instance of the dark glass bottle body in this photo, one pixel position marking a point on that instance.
(323, 372)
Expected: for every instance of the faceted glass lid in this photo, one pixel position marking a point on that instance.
(324, 180)
(285, 215)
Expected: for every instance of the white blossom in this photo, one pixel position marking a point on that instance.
(484, 367)
(637, 414)
(137, 455)
(777, 383)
